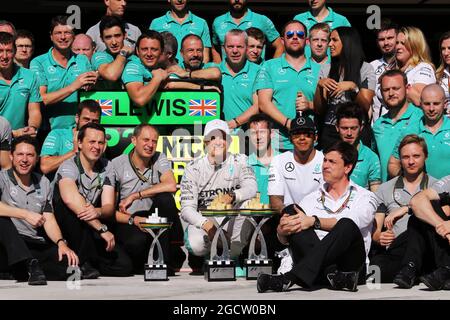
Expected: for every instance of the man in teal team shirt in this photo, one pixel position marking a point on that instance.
(238, 77)
(319, 12)
(400, 120)
(180, 21)
(349, 124)
(61, 74)
(240, 17)
(19, 91)
(60, 144)
(287, 83)
(434, 127)
(111, 62)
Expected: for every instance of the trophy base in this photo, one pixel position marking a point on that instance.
(220, 270)
(256, 267)
(155, 272)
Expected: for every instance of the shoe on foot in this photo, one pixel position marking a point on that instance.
(36, 275)
(344, 280)
(88, 271)
(406, 278)
(437, 279)
(276, 283)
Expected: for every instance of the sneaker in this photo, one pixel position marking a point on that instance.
(276, 283)
(406, 278)
(437, 279)
(344, 280)
(446, 285)
(89, 272)
(36, 275)
(286, 261)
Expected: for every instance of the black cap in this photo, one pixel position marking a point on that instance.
(301, 123)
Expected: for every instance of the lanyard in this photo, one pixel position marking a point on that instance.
(141, 176)
(96, 186)
(399, 185)
(342, 207)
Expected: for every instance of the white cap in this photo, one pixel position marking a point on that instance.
(216, 124)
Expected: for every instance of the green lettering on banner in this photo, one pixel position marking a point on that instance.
(166, 108)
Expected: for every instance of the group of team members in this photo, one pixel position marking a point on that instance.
(339, 147)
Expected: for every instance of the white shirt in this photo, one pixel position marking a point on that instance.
(361, 208)
(422, 73)
(378, 105)
(293, 180)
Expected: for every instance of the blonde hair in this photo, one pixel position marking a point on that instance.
(417, 45)
(440, 70)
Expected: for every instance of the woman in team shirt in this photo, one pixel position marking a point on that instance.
(443, 72)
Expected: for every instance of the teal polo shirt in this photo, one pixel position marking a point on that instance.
(15, 96)
(58, 142)
(239, 89)
(55, 77)
(438, 161)
(277, 74)
(225, 23)
(387, 133)
(135, 71)
(367, 167)
(262, 176)
(105, 57)
(192, 25)
(333, 19)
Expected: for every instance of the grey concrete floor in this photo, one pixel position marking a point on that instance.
(187, 287)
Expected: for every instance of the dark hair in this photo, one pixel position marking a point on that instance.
(413, 138)
(261, 117)
(91, 105)
(351, 58)
(24, 139)
(349, 110)
(348, 152)
(170, 43)
(90, 125)
(151, 34)
(393, 73)
(108, 22)
(7, 23)
(291, 22)
(256, 34)
(387, 24)
(7, 38)
(22, 33)
(191, 35)
(138, 129)
(58, 21)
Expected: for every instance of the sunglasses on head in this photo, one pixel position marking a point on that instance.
(299, 33)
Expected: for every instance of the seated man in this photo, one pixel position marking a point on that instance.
(332, 235)
(60, 144)
(218, 172)
(30, 238)
(84, 200)
(389, 236)
(145, 181)
(428, 247)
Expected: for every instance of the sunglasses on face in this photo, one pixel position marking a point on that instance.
(300, 34)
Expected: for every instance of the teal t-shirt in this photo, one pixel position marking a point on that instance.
(105, 57)
(238, 89)
(438, 144)
(277, 74)
(135, 71)
(55, 77)
(192, 25)
(333, 19)
(225, 23)
(387, 133)
(58, 142)
(367, 167)
(262, 177)
(15, 96)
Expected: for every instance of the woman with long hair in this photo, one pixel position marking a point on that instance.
(347, 78)
(414, 59)
(443, 72)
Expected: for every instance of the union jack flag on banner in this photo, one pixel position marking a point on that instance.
(203, 107)
(106, 106)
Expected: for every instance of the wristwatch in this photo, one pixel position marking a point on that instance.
(103, 229)
(131, 220)
(62, 239)
(316, 223)
(123, 53)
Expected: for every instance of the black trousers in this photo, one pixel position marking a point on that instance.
(389, 260)
(341, 249)
(137, 243)
(425, 247)
(88, 244)
(16, 251)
